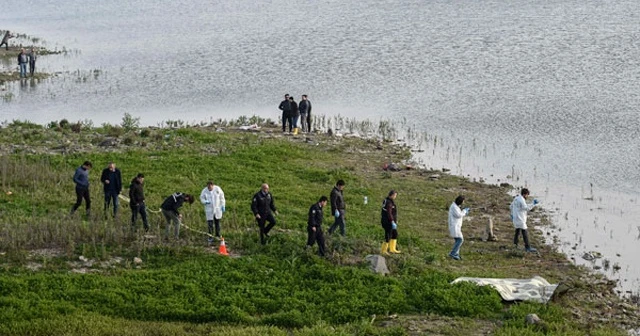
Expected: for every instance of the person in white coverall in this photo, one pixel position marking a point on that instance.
(212, 197)
(456, 214)
(519, 209)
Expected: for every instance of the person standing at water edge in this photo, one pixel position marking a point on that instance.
(112, 181)
(304, 108)
(456, 214)
(519, 209)
(285, 107)
(314, 225)
(389, 220)
(212, 197)
(81, 179)
(338, 208)
(32, 61)
(262, 207)
(136, 202)
(5, 40)
(295, 114)
(170, 208)
(22, 63)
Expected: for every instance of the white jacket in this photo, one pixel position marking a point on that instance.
(455, 220)
(519, 208)
(216, 201)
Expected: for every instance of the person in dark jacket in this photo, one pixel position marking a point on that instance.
(22, 63)
(262, 207)
(308, 108)
(81, 179)
(285, 107)
(338, 208)
(389, 219)
(136, 202)
(5, 40)
(304, 108)
(170, 208)
(295, 114)
(314, 225)
(112, 181)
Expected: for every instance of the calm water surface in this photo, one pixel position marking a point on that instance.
(544, 91)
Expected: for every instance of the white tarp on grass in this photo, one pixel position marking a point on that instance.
(535, 289)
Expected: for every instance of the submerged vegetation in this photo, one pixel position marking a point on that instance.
(94, 275)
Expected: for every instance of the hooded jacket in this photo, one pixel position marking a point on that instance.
(136, 192)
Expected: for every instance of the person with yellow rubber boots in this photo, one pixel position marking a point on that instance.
(389, 220)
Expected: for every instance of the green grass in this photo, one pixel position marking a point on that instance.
(184, 288)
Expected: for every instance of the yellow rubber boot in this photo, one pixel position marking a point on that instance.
(392, 246)
(295, 131)
(385, 248)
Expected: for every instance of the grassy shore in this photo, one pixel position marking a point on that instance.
(73, 275)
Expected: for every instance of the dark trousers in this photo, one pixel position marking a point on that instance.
(80, 194)
(389, 233)
(264, 231)
(309, 122)
(316, 236)
(211, 223)
(525, 237)
(287, 117)
(139, 209)
(339, 222)
(6, 45)
(32, 67)
(109, 197)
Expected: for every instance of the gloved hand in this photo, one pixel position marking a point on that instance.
(223, 209)
(207, 202)
(394, 226)
(336, 214)
(535, 201)
(466, 211)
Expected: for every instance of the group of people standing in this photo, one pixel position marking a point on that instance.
(263, 209)
(518, 210)
(25, 59)
(293, 112)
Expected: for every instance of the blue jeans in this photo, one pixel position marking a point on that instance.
(295, 121)
(338, 223)
(455, 252)
(23, 69)
(108, 197)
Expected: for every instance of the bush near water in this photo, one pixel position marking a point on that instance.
(185, 288)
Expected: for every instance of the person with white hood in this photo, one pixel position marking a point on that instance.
(519, 209)
(212, 197)
(456, 214)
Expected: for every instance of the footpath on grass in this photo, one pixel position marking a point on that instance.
(80, 275)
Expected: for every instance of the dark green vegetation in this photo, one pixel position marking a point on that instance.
(184, 288)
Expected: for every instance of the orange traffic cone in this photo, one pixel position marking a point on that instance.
(223, 247)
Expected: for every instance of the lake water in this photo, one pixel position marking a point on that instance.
(546, 92)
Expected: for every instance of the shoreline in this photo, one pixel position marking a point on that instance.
(64, 143)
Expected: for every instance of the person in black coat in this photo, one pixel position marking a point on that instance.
(262, 207)
(295, 115)
(389, 220)
(112, 181)
(314, 225)
(285, 107)
(170, 208)
(136, 202)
